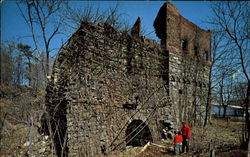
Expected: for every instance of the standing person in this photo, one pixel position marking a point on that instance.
(165, 132)
(177, 142)
(186, 133)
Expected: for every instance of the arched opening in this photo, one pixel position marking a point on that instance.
(138, 134)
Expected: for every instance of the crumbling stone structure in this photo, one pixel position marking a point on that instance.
(187, 49)
(109, 90)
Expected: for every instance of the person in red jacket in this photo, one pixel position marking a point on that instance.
(186, 134)
(177, 142)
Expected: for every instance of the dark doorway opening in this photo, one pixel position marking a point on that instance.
(166, 129)
(184, 45)
(55, 125)
(138, 134)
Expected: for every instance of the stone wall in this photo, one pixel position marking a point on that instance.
(106, 83)
(102, 81)
(188, 88)
(188, 50)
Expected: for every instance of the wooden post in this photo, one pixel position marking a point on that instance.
(211, 149)
(30, 136)
(212, 153)
(248, 150)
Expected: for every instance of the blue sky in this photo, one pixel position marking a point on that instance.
(13, 26)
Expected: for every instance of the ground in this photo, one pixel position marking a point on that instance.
(17, 106)
(225, 138)
(222, 135)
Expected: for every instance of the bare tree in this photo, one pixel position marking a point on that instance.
(43, 22)
(11, 57)
(240, 91)
(219, 69)
(73, 17)
(225, 93)
(232, 18)
(6, 64)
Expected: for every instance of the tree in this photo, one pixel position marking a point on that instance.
(12, 63)
(25, 49)
(231, 18)
(240, 91)
(73, 17)
(7, 67)
(40, 16)
(225, 93)
(219, 69)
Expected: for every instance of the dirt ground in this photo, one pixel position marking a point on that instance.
(17, 105)
(222, 136)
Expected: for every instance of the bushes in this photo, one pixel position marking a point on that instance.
(17, 105)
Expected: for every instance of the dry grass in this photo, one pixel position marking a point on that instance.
(223, 136)
(13, 143)
(17, 105)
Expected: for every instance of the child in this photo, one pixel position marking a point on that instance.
(177, 142)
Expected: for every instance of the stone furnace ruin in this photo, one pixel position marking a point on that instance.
(109, 89)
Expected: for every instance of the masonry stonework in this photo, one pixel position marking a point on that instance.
(187, 48)
(109, 89)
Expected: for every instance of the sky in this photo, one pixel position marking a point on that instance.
(13, 26)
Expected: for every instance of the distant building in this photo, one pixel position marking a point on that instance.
(235, 111)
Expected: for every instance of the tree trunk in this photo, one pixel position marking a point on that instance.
(224, 110)
(208, 107)
(29, 75)
(247, 101)
(47, 63)
(19, 71)
(208, 98)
